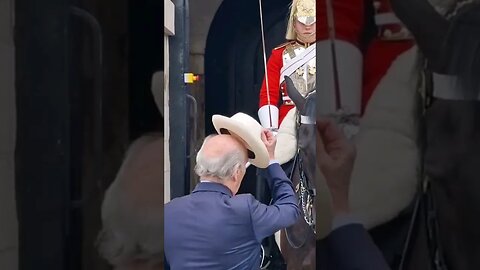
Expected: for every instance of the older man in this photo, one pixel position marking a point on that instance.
(213, 228)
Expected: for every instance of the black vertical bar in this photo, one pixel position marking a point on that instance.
(189, 129)
(179, 52)
(145, 57)
(42, 156)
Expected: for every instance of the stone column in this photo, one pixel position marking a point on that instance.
(169, 30)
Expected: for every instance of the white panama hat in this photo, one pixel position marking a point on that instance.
(246, 128)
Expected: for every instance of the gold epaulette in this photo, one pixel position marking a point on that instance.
(284, 44)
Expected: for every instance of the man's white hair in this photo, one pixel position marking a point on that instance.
(223, 167)
(132, 210)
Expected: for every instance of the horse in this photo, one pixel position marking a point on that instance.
(436, 227)
(447, 220)
(432, 224)
(301, 239)
(298, 241)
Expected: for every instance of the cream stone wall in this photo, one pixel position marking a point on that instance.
(169, 30)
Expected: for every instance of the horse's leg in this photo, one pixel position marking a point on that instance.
(302, 258)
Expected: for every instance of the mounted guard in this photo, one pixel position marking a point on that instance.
(296, 59)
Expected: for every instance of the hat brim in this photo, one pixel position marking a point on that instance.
(253, 142)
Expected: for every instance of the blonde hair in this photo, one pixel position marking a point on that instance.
(291, 34)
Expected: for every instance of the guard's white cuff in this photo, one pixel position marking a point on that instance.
(265, 116)
(273, 161)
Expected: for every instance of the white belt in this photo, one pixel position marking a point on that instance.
(447, 86)
(298, 61)
(307, 120)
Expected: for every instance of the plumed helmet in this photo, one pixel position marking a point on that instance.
(302, 10)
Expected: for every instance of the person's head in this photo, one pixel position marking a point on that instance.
(222, 159)
(131, 237)
(302, 21)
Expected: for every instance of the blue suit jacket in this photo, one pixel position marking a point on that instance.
(211, 229)
(349, 247)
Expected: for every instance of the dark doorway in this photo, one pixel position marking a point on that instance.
(132, 51)
(98, 79)
(77, 116)
(146, 57)
(42, 151)
(233, 56)
(234, 60)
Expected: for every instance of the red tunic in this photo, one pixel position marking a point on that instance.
(349, 23)
(381, 52)
(274, 66)
(378, 58)
(349, 20)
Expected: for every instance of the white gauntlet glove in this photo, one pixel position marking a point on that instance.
(269, 114)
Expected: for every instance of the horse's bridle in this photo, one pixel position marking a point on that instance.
(424, 195)
(432, 226)
(435, 248)
(305, 189)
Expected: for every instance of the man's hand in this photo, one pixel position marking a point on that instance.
(270, 142)
(335, 158)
